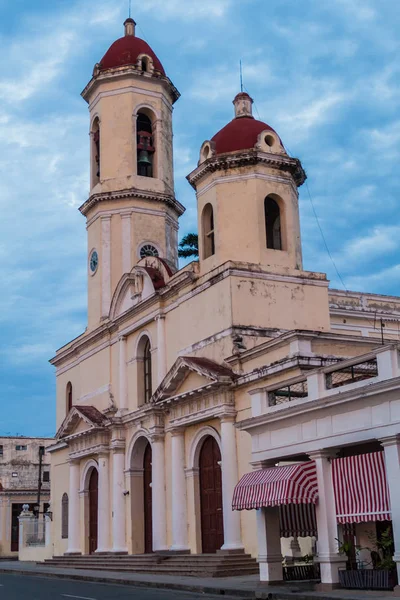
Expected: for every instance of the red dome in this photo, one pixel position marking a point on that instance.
(125, 51)
(240, 134)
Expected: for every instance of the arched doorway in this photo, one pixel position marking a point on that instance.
(147, 500)
(93, 510)
(212, 526)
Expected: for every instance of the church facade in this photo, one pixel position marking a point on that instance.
(151, 397)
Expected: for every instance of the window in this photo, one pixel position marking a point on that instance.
(147, 371)
(64, 517)
(21, 448)
(145, 146)
(148, 250)
(46, 476)
(1, 450)
(145, 64)
(14, 474)
(96, 152)
(208, 231)
(69, 396)
(273, 224)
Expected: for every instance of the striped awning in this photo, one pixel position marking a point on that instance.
(291, 484)
(361, 490)
(298, 520)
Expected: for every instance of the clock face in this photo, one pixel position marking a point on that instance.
(94, 261)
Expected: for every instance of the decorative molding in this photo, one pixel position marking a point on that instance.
(132, 193)
(235, 160)
(125, 73)
(242, 177)
(126, 212)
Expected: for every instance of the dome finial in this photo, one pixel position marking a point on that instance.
(130, 24)
(243, 105)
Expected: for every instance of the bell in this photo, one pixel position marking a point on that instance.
(144, 158)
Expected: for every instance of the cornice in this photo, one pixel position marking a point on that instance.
(234, 160)
(124, 73)
(74, 347)
(288, 410)
(286, 337)
(167, 199)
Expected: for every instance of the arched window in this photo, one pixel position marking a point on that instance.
(69, 396)
(145, 145)
(208, 231)
(273, 224)
(96, 151)
(145, 64)
(64, 516)
(147, 371)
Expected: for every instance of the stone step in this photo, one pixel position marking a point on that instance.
(192, 565)
(201, 572)
(217, 560)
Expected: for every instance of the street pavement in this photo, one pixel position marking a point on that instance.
(20, 587)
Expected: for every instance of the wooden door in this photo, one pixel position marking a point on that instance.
(147, 501)
(212, 527)
(16, 510)
(93, 510)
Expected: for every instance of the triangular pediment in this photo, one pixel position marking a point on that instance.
(192, 374)
(146, 278)
(81, 419)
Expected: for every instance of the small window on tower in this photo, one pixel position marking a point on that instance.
(96, 152)
(145, 64)
(69, 400)
(208, 231)
(145, 146)
(273, 224)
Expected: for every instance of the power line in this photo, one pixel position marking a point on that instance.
(324, 239)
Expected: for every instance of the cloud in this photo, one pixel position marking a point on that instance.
(361, 10)
(380, 241)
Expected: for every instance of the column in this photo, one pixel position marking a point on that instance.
(232, 535)
(118, 498)
(161, 351)
(105, 265)
(104, 505)
(328, 557)
(74, 546)
(392, 461)
(178, 487)
(123, 397)
(158, 494)
(126, 243)
(269, 545)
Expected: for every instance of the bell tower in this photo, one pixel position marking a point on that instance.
(247, 198)
(131, 211)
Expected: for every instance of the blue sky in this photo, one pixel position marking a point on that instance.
(323, 73)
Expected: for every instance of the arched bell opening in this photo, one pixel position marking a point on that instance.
(145, 145)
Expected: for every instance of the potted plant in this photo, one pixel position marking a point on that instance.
(382, 575)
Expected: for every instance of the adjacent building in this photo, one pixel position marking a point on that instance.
(172, 391)
(20, 459)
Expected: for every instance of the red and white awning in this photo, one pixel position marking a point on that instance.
(291, 484)
(298, 520)
(361, 490)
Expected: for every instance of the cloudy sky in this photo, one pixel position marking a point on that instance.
(323, 73)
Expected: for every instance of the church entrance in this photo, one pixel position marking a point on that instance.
(147, 501)
(212, 530)
(93, 510)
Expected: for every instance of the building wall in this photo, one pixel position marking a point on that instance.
(19, 471)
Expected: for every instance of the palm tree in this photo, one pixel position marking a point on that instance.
(189, 246)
